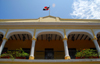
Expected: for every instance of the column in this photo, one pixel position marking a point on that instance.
(66, 48)
(96, 44)
(32, 48)
(3, 44)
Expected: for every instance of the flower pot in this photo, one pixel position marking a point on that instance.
(96, 57)
(6, 57)
(20, 57)
(82, 57)
(78, 57)
(90, 57)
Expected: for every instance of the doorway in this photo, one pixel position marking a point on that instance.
(49, 53)
(72, 52)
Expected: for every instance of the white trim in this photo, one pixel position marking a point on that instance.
(3, 32)
(49, 30)
(49, 23)
(79, 30)
(96, 32)
(18, 30)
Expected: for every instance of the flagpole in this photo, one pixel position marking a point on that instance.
(49, 10)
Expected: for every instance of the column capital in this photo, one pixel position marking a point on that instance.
(4, 38)
(65, 38)
(95, 38)
(33, 38)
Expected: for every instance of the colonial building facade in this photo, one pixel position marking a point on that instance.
(49, 37)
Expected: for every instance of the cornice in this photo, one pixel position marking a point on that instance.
(49, 23)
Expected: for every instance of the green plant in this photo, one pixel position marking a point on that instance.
(21, 53)
(7, 54)
(78, 54)
(95, 55)
(86, 53)
(25, 54)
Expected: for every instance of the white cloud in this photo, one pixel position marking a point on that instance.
(53, 5)
(86, 9)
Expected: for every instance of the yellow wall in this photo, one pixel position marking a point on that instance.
(56, 45)
(80, 44)
(15, 44)
(69, 62)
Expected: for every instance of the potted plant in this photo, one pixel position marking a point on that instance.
(24, 54)
(95, 55)
(86, 53)
(7, 55)
(78, 55)
(20, 54)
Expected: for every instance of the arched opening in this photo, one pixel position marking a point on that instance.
(17, 40)
(79, 41)
(49, 45)
(1, 38)
(98, 38)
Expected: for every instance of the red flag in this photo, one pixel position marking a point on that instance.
(46, 8)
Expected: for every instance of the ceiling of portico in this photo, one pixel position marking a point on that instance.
(72, 37)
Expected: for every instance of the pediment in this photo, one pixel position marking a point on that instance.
(48, 19)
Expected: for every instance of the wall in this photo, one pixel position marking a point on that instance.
(56, 45)
(15, 44)
(80, 44)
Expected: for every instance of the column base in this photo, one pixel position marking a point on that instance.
(67, 58)
(31, 58)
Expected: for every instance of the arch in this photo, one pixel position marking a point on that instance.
(52, 30)
(3, 32)
(96, 32)
(18, 31)
(85, 31)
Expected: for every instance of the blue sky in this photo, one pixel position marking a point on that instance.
(33, 9)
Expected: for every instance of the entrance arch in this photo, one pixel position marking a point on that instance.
(81, 31)
(18, 31)
(48, 31)
(78, 40)
(45, 47)
(19, 39)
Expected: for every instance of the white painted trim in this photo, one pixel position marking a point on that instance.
(49, 23)
(3, 32)
(79, 30)
(18, 30)
(49, 30)
(96, 32)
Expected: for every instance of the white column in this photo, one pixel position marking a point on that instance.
(66, 50)
(97, 46)
(32, 49)
(2, 45)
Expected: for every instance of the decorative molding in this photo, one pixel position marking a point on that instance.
(93, 32)
(48, 27)
(6, 32)
(95, 38)
(33, 38)
(5, 38)
(65, 38)
(34, 32)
